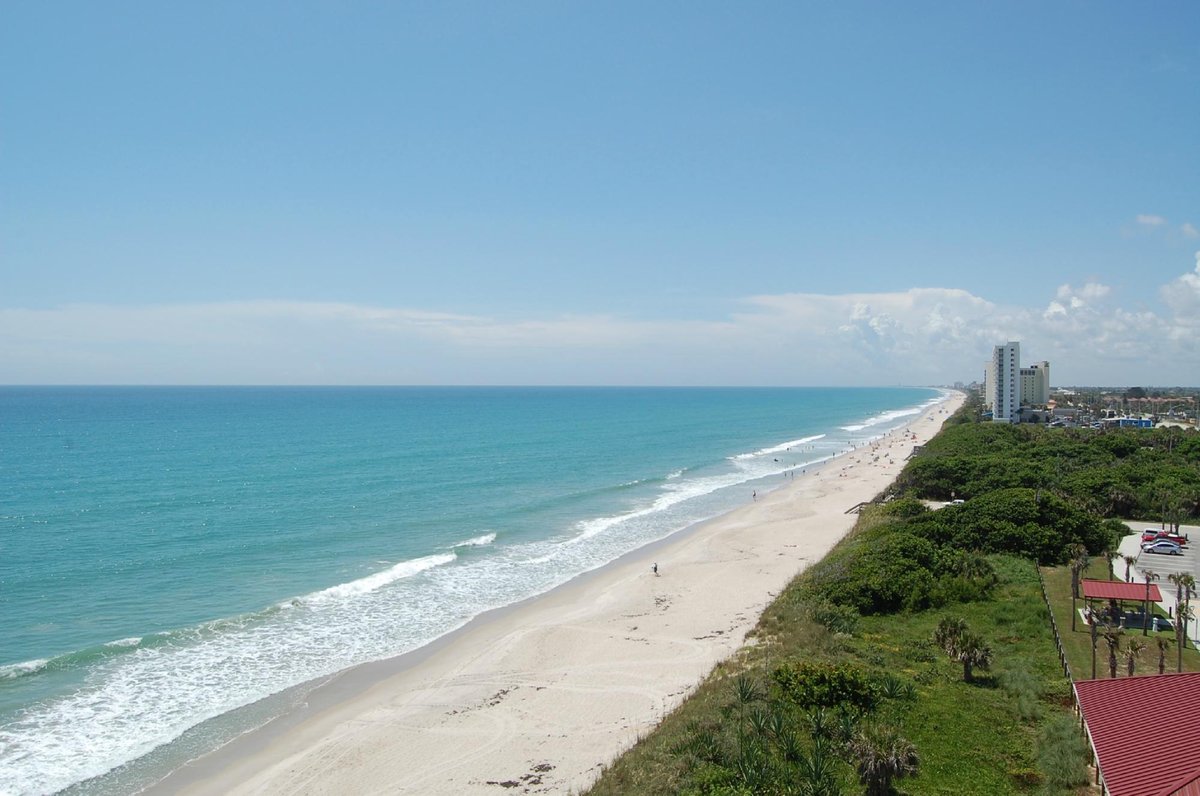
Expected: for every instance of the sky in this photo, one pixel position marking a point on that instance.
(658, 193)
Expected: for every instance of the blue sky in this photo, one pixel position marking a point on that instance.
(607, 193)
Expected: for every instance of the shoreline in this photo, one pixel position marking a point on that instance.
(542, 694)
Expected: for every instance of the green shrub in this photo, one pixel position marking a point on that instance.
(892, 571)
(1025, 691)
(838, 618)
(1062, 754)
(812, 685)
(905, 508)
(1026, 522)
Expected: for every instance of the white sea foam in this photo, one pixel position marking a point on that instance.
(149, 698)
(886, 418)
(404, 569)
(132, 641)
(674, 493)
(777, 448)
(14, 670)
(477, 541)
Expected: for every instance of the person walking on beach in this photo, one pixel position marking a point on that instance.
(655, 569)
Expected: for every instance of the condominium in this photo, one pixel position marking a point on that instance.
(1007, 386)
(1002, 383)
(1035, 384)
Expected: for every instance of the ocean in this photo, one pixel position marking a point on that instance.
(178, 565)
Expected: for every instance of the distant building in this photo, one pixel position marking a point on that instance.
(1035, 384)
(1002, 383)
(1007, 387)
(1130, 422)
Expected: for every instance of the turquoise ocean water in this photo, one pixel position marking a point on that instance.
(169, 555)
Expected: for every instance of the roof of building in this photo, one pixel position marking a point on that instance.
(1119, 590)
(1188, 786)
(1144, 731)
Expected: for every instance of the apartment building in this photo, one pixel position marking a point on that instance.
(1007, 386)
(1002, 383)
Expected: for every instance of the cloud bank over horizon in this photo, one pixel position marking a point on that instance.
(916, 336)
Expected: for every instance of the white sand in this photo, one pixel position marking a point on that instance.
(545, 694)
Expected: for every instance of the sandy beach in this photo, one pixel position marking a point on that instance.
(539, 697)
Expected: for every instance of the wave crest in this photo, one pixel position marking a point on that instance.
(14, 670)
(777, 448)
(477, 541)
(354, 588)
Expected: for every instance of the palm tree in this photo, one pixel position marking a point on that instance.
(961, 645)
(1110, 555)
(1164, 644)
(971, 651)
(1129, 562)
(1079, 561)
(882, 755)
(1184, 585)
(1077, 555)
(1173, 509)
(1149, 576)
(1132, 653)
(1183, 615)
(1093, 624)
(948, 631)
(1112, 637)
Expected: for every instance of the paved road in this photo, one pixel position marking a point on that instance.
(1163, 565)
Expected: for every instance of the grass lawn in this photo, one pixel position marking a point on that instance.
(1078, 643)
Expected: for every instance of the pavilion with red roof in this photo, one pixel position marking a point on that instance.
(1144, 732)
(1119, 590)
(1117, 593)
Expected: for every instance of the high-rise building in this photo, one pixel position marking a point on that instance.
(1002, 383)
(1035, 384)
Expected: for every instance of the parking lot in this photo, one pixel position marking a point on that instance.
(1162, 565)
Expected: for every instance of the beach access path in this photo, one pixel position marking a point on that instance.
(539, 697)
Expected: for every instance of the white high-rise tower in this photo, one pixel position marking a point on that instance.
(1002, 383)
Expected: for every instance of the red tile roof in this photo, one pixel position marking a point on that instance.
(1144, 731)
(1119, 590)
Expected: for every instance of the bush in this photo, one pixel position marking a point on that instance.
(888, 573)
(1062, 754)
(1116, 473)
(822, 685)
(1026, 522)
(1024, 689)
(905, 508)
(956, 589)
(838, 618)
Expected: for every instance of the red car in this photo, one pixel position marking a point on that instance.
(1152, 534)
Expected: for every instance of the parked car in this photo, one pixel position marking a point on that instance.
(1163, 546)
(1153, 534)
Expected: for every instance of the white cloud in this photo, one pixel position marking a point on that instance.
(1150, 220)
(1188, 230)
(921, 335)
(1183, 296)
